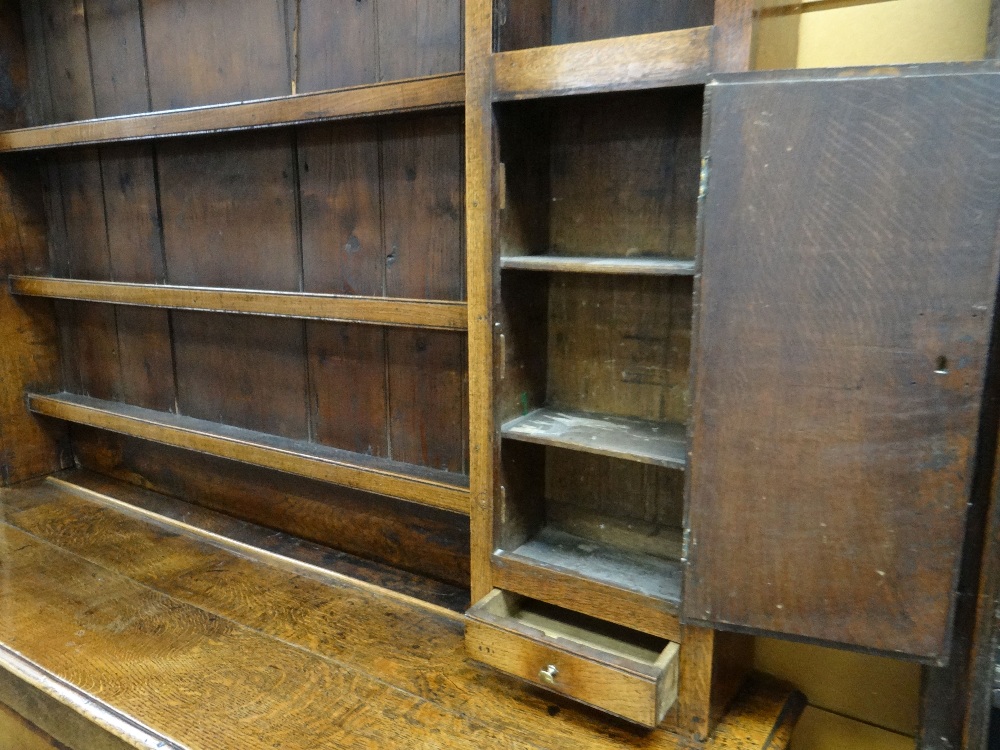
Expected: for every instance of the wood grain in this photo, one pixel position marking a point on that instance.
(394, 312)
(624, 266)
(481, 287)
(380, 529)
(499, 632)
(365, 101)
(844, 409)
(166, 598)
(636, 440)
(435, 488)
(30, 353)
(668, 58)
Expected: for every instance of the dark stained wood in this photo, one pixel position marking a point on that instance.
(439, 489)
(425, 258)
(227, 51)
(625, 266)
(668, 58)
(415, 313)
(67, 59)
(612, 347)
(844, 409)
(171, 595)
(229, 220)
(117, 57)
(419, 38)
(378, 528)
(337, 44)
(403, 96)
(343, 252)
(535, 23)
(29, 356)
(661, 444)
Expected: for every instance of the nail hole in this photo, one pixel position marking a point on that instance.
(942, 365)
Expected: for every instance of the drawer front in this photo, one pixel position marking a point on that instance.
(636, 692)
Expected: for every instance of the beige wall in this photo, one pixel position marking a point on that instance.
(859, 702)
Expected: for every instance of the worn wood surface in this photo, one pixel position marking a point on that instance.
(611, 668)
(669, 58)
(340, 667)
(433, 92)
(272, 547)
(732, 41)
(536, 23)
(377, 528)
(661, 444)
(482, 288)
(626, 266)
(17, 733)
(344, 308)
(29, 356)
(381, 476)
(634, 590)
(841, 353)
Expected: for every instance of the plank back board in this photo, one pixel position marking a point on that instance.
(846, 302)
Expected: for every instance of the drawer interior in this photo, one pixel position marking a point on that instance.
(543, 621)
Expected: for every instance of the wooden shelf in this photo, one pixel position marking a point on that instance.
(629, 588)
(373, 310)
(657, 443)
(381, 476)
(631, 63)
(360, 101)
(622, 266)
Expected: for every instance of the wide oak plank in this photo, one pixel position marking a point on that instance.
(215, 630)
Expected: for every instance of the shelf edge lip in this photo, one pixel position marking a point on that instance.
(390, 97)
(508, 432)
(600, 265)
(387, 311)
(682, 57)
(148, 424)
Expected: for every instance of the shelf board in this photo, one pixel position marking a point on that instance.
(621, 266)
(630, 63)
(373, 310)
(359, 101)
(657, 443)
(629, 588)
(381, 476)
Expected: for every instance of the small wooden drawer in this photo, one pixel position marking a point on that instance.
(611, 668)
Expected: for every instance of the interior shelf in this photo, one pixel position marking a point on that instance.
(381, 476)
(645, 61)
(374, 310)
(625, 266)
(432, 92)
(627, 587)
(660, 444)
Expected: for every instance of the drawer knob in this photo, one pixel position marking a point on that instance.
(549, 674)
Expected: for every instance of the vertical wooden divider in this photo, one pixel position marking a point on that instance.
(480, 164)
(733, 42)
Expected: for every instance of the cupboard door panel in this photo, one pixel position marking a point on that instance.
(846, 301)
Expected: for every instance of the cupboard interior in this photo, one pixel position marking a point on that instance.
(537, 23)
(594, 394)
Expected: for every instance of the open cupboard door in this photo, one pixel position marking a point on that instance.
(847, 297)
